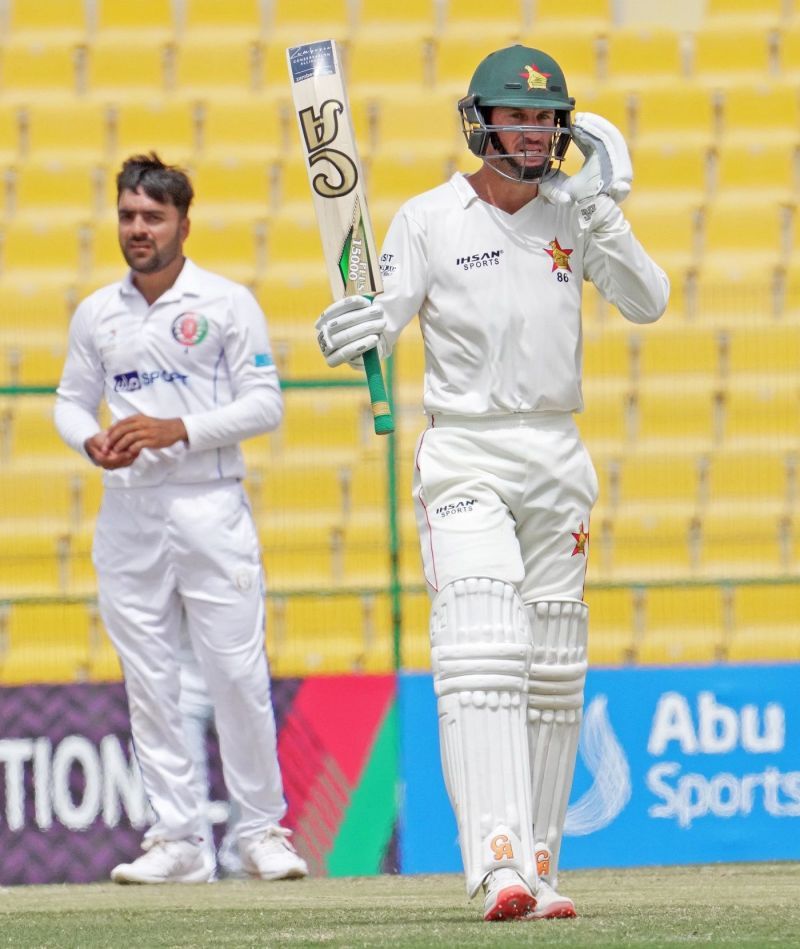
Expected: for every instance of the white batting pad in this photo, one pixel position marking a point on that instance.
(555, 708)
(481, 655)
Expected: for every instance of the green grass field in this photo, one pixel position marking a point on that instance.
(742, 905)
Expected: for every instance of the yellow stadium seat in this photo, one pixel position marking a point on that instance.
(714, 46)
(10, 136)
(759, 231)
(736, 161)
(678, 646)
(294, 23)
(421, 125)
(766, 112)
(46, 305)
(611, 625)
(119, 69)
(292, 237)
(647, 543)
(244, 18)
(727, 289)
(64, 20)
(337, 634)
(415, 643)
(146, 19)
(34, 558)
(743, 475)
(393, 179)
(670, 231)
(604, 423)
(682, 625)
(766, 623)
(104, 665)
(48, 642)
(767, 348)
(57, 189)
(470, 18)
(789, 50)
(745, 12)
(668, 172)
(613, 104)
(762, 412)
(682, 111)
(387, 64)
(294, 295)
(677, 415)
(31, 358)
(231, 246)
(254, 126)
(43, 69)
(670, 349)
(32, 431)
(671, 480)
(231, 186)
(413, 17)
(607, 353)
(299, 488)
(213, 65)
(744, 541)
(576, 17)
(153, 123)
(313, 418)
(638, 57)
(79, 127)
(23, 240)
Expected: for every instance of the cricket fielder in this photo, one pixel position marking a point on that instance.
(493, 264)
(182, 358)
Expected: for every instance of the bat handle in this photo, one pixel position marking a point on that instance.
(384, 423)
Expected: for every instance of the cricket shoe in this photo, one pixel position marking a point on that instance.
(552, 905)
(508, 896)
(169, 861)
(271, 857)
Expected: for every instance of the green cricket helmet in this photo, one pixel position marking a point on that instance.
(516, 77)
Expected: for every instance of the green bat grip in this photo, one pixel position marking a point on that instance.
(384, 423)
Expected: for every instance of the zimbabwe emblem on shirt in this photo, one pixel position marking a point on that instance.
(559, 254)
(189, 329)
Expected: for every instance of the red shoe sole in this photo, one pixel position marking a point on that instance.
(514, 902)
(556, 912)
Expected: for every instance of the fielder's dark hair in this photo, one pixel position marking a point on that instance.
(166, 184)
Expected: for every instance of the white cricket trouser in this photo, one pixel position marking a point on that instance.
(190, 552)
(505, 497)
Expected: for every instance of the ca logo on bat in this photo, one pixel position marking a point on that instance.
(319, 133)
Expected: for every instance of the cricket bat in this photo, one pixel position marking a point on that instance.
(337, 188)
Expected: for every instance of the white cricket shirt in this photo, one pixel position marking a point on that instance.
(499, 295)
(201, 353)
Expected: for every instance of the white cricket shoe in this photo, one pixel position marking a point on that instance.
(169, 861)
(552, 905)
(508, 896)
(271, 857)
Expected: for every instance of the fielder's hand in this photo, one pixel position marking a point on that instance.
(606, 170)
(349, 328)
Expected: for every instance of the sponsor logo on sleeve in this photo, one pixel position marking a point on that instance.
(262, 360)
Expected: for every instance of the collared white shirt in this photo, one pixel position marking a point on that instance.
(201, 353)
(499, 295)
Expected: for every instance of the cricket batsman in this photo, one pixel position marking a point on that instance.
(493, 263)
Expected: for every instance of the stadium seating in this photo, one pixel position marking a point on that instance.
(692, 423)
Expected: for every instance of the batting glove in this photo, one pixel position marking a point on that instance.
(607, 167)
(349, 328)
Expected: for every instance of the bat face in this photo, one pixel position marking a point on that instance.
(334, 169)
